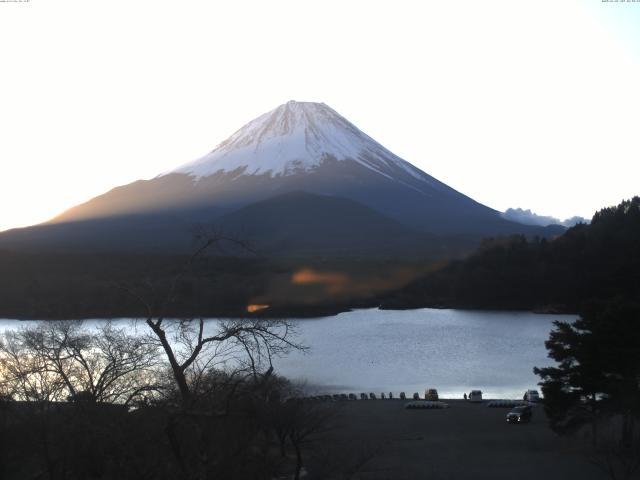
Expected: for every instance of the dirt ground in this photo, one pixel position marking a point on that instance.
(383, 440)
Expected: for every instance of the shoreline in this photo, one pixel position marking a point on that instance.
(291, 315)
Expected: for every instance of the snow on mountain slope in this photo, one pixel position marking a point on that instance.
(294, 138)
(297, 151)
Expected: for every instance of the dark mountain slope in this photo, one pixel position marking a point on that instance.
(319, 225)
(142, 233)
(291, 224)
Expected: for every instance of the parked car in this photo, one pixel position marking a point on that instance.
(431, 394)
(520, 414)
(403, 396)
(352, 396)
(475, 396)
(363, 396)
(343, 396)
(531, 396)
(416, 396)
(372, 396)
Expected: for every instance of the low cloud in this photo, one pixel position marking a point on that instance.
(527, 217)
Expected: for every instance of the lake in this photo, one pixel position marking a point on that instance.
(409, 350)
(451, 350)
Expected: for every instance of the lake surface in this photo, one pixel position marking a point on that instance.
(451, 350)
(454, 351)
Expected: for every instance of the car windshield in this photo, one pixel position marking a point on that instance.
(519, 409)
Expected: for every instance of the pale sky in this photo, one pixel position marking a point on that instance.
(532, 104)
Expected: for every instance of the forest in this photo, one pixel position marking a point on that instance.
(600, 260)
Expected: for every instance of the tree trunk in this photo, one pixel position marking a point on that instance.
(174, 443)
(298, 459)
(627, 429)
(594, 421)
(181, 380)
(283, 447)
(44, 437)
(178, 371)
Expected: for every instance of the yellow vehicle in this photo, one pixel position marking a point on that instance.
(431, 394)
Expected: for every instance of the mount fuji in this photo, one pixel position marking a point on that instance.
(300, 178)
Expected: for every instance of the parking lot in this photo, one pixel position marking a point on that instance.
(465, 441)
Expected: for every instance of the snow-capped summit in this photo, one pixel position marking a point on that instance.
(298, 178)
(293, 138)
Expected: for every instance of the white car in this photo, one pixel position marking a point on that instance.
(475, 396)
(531, 396)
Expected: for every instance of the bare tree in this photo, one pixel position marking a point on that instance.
(193, 346)
(307, 421)
(63, 360)
(24, 375)
(222, 371)
(297, 419)
(243, 347)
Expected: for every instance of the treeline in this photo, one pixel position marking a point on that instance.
(80, 285)
(63, 286)
(588, 262)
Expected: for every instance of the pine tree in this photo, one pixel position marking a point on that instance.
(598, 371)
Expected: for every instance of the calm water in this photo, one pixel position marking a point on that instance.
(451, 350)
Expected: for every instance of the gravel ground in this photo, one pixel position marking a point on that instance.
(383, 440)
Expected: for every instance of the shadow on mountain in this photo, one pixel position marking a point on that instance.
(303, 224)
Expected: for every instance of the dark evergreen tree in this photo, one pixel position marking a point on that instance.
(573, 390)
(599, 261)
(598, 371)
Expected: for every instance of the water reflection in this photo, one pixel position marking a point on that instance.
(381, 351)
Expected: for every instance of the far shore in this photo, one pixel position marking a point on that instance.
(285, 314)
